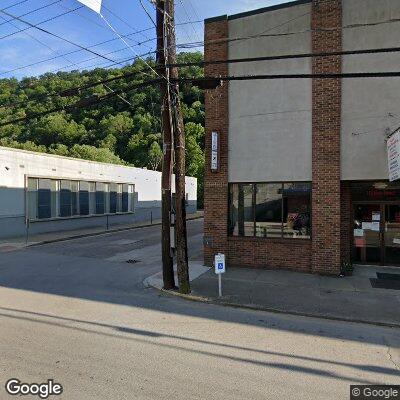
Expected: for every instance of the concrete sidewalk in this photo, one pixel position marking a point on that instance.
(51, 237)
(348, 298)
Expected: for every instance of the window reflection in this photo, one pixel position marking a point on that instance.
(270, 210)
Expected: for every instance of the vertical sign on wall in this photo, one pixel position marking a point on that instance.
(393, 149)
(214, 151)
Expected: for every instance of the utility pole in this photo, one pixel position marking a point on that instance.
(162, 70)
(180, 158)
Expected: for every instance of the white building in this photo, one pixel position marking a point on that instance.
(47, 193)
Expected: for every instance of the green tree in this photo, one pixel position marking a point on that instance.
(155, 156)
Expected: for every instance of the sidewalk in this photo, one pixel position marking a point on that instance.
(348, 298)
(21, 242)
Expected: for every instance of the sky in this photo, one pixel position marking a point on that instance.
(31, 52)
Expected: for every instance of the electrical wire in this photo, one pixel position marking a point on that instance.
(28, 13)
(81, 103)
(91, 46)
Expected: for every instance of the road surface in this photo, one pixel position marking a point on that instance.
(77, 312)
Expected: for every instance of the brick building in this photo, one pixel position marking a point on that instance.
(296, 169)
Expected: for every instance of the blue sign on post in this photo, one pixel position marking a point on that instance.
(219, 263)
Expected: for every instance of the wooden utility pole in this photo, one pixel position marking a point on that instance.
(180, 158)
(162, 70)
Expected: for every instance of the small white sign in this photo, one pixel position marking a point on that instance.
(393, 152)
(376, 216)
(214, 151)
(366, 226)
(358, 232)
(219, 262)
(396, 241)
(375, 226)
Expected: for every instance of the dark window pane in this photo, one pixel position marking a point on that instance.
(241, 210)
(74, 198)
(113, 198)
(65, 199)
(92, 198)
(32, 198)
(297, 210)
(84, 198)
(268, 209)
(125, 197)
(44, 198)
(100, 199)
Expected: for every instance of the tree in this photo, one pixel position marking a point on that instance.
(155, 156)
(111, 131)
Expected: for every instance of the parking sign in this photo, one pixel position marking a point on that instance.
(219, 263)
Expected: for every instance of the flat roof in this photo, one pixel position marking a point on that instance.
(257, 11)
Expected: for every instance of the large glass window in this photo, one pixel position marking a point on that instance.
(65, 199)
(113, 198)
(131, 199)
(107, 198)
(119, 197)
(270, 210)
(297, 210)
(241, 210)
(52, 198)
(125, 197)
(44, 198)
(100, 198)
(84, 198)
(92, 198)
(32, 198)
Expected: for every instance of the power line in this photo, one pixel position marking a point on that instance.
(81, 103)
(197, 81)
(92, 46)
(264, 35)
(290, 57)
(75, 90)
(28, 13)
(57, 36)
(33, 25)
(255, 59)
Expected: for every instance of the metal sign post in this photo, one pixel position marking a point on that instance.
(219, 263)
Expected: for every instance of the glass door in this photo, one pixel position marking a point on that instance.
(392, 234)
(367, 242)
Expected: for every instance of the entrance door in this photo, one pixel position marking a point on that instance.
(367, 244)
(377, 234)
(392, 234)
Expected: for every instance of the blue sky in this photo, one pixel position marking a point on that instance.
(86, 28)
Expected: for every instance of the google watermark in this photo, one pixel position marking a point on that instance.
(375, 392)
(44, 390)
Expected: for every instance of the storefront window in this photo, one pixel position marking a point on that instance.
(268, 209)
(84, 198)
(297, 210)
(241, 210)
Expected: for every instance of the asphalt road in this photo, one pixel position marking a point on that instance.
(78, 313)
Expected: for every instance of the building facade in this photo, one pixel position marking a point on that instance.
(42, 193)
(301, 180)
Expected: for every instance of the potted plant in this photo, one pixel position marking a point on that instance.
(346, 269)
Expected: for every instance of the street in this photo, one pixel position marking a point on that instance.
(77, 312)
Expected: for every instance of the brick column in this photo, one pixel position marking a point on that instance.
(216, 104)
(326, 36)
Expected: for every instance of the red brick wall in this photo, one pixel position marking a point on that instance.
(291, 254)
(216, 104)
(346, 222)
(326, 36)
(326, 250)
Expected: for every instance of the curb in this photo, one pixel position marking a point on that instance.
(63, 239)
(255, 307)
